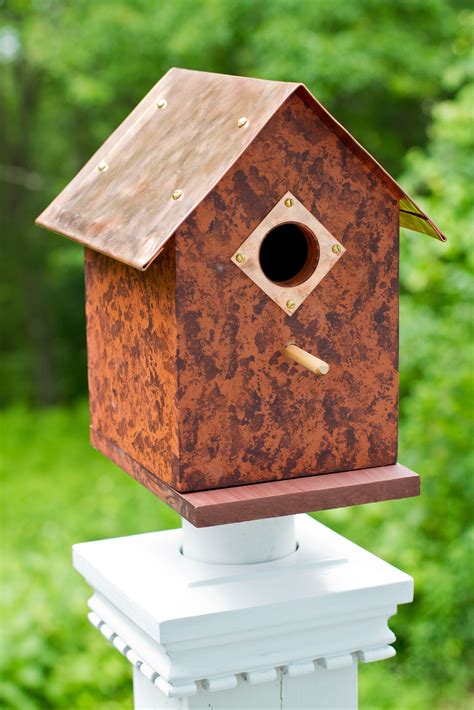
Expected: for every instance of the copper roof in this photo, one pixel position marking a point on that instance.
(121, 202)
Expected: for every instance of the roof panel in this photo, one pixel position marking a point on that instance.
(121, 202)
(126, 210)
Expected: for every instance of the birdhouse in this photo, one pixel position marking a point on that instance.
(241, 270)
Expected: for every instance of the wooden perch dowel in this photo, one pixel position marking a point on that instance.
(311, 362)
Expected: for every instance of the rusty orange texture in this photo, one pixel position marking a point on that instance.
(188, 379)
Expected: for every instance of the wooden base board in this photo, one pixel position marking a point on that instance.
(268, 500)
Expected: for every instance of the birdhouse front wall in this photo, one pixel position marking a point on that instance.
(188, 376)
(246, 413)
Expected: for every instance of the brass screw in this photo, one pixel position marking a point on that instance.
(177, 194)
(290, 304)
(336, 248)
(103, 166)
(161, 103)
(240, 258)
(289, 202)
(242, 122)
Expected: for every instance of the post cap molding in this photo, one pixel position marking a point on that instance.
(325, 605)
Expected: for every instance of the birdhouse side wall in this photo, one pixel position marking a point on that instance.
(247, 414)
(131, 344)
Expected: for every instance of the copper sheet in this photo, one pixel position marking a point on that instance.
(127, 212)
(250, 249)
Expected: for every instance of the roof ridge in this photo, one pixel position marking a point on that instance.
(148, 166)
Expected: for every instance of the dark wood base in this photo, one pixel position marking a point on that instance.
(268, 500)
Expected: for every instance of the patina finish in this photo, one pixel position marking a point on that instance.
(180, 140)
(188, 373)
(161, 162)
(191, 319)
(131, 348)
(246, 413)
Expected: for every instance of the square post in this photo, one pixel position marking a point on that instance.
(270, 614)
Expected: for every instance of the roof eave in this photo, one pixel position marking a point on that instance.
(60, 218)
(411, 216)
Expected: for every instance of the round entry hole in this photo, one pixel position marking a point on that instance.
(289, 254)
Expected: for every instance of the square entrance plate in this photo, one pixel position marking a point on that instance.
(288, 210)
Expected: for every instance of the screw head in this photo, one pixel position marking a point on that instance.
(336, 248)
(177, 194)
(289, 202)
(240, 258)
(103, 166)
(242, 122)
(291, 304)
(161, 103)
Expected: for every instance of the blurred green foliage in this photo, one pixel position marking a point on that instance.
(399, 75)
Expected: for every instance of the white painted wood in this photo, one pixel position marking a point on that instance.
(240, 543)
(333, 663)
(296, 669)
(324, 690)
(224, 683)
(284, 633)
(261, 676)
(376, 654)
(146, 696)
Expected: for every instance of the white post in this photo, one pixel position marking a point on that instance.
(270, 614)
(240, 543)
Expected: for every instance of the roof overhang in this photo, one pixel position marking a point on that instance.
(170, 152)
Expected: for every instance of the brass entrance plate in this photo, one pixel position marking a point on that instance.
(288, 210)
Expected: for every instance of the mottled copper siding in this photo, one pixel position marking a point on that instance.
(131, 341)
(246, 414)
(187, 372)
